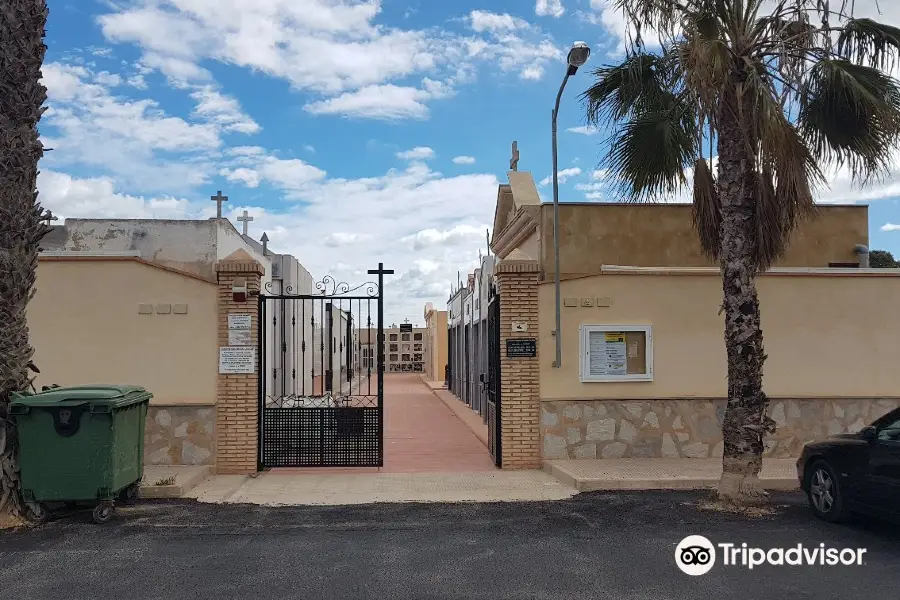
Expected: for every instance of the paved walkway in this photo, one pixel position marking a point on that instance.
(277, 488)
(587, 475)
(421, 434)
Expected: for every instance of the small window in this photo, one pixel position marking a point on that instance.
(393, 337)
(393, 358)
(417, 358)
(417, 337)
(405, 347)
(393, 347)
(406, 357)
(405, 337)
(616, 353)
(417, 347)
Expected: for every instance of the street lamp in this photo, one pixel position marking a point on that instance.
(578, 55)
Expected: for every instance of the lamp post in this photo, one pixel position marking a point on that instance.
(578, 55)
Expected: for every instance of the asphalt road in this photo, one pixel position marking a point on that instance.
(618, 546)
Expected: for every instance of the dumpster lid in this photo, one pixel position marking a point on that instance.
(109, 394)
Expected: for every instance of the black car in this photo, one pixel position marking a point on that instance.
(854, 472)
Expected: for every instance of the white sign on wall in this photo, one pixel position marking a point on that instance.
(237, 359)
(238, 337)
(239, 321)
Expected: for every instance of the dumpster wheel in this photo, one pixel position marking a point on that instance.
(103, 512)
(37, 512)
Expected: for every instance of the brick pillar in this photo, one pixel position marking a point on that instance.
(517, 284)
(237, 407)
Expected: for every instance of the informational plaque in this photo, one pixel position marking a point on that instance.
(608, 353)
(521, 348)
(237, 359)
(238, 337)
(239, 321)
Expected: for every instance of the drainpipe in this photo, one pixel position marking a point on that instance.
(863, 253)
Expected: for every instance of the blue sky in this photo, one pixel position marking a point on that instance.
(354, 131)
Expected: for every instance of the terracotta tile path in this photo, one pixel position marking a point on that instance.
(421, 434)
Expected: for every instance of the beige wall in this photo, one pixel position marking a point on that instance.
(85, 328)
(826, 336)
(592, 235)
(436, 328)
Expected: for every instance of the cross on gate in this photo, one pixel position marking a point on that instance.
(219, 199)
(245, 219)
(514, 161)
(49, 217)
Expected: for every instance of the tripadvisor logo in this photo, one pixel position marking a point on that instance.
(696, 555)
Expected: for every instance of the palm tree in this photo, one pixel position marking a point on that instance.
(22, 24)
(777, 92)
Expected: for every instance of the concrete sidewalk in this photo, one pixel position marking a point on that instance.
(276, 488)
(588, 475)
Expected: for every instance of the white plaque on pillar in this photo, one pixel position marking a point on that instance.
(238, 337)
(239, 321)
(237, 359)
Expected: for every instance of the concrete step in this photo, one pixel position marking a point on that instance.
(179, 480)
(608, 474)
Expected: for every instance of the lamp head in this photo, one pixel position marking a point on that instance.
(578, 55)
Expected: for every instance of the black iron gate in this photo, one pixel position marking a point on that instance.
(493, 376)
(321, 384)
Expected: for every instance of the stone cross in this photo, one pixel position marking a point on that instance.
(514, 161)
(49, 217)
(406, 321)
(245, 219)
(219, 199)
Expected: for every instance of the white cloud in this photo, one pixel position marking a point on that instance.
(122, 136)
(249, 177)
(483, 20)
(108, 79)
(417, 153)
(222, 110)
(549, 8)
(464, 160)
(584, 130)
(69, 197)
(890, 227)
(562, 176)
(386, 102)
(532, 73)
(331, 47)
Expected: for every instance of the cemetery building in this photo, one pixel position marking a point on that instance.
(643, 370)
(143, 299)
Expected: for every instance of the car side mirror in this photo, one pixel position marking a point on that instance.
(868, 433)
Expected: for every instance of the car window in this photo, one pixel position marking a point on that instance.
(890, 432)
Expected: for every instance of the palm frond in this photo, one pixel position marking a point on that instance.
(649, 152)
(785, 173)
(619, 89)
(706, 209)
(868, 41)
(850, 115)
(661, 16)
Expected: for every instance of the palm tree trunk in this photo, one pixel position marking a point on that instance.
(745, 414)
(22, 49)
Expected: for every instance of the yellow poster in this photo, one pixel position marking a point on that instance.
(613, 337)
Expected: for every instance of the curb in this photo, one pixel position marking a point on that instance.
(674, 483)
(184, 482)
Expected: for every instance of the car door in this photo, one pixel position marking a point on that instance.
(884, 466)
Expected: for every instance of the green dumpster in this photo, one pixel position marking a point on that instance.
(81, 444)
